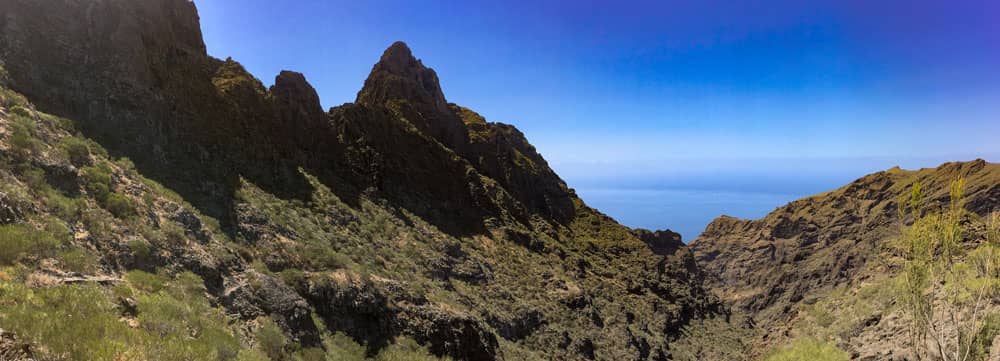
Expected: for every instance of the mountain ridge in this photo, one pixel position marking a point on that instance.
(413, 218)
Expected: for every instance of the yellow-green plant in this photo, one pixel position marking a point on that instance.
(937, 269)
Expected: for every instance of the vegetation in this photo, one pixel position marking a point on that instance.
(939, 273)
(808, 349)
(21, 241)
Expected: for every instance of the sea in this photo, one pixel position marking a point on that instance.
(685, 211)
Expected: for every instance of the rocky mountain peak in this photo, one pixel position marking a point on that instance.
(296, 99)
(402, 83)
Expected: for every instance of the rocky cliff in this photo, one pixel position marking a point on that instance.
(398, 218)
(769, 269)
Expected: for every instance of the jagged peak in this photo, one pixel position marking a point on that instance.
(398, 58)
(401, 76)
(296, 99)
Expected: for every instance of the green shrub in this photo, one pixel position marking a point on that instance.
(272, 341)
(18, 241)
(325, 258)
(97, 180)
(10, 98)
(341, 347)
(145, 281)
(141, 251)
(78, 260)
(72, 322)
(173, 233)
(23, 140)
(983, 341)
(119, 205)
(77, 150)
(294, 277)
(808, 349)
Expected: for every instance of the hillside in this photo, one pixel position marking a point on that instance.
(161, 204)
(820, 253)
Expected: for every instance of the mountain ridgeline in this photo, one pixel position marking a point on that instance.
(397, 218)
(157, 203)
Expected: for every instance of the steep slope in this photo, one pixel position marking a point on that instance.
(770, 268)
(398, 217)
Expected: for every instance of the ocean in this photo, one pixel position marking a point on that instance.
(685, 211)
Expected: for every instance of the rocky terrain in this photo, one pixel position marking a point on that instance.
(202, 215)
(829, 248)
(157, 203)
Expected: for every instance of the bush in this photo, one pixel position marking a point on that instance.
(97, 180)
(141, 251)
(119, 205)
(78, 260)
(18, 241)
(146, 281)
(808, 349)
(271, 340)
(23, 140)
(76, 149)
(72, 322)
(325, 258)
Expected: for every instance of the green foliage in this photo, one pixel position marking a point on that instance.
(20, 241)
(938, 265)
(325, 258)
(119, 205)
(341, 347)
(78, 260)
(142, 251)
(73, 322)
(980, 348)
(98, 181)
(272, 341)
(10, 98)
(808, 349)
(76, 149)
(146, 281)
(295, 278)
(23, 139)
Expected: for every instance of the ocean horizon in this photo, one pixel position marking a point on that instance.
(685, 211)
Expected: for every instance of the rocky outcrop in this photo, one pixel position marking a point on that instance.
(402, 83)
(664, 243)
(11, 349)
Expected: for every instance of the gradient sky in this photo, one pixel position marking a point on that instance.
(645, 93)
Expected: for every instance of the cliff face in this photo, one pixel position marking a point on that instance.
(770, 267)
(400, 215)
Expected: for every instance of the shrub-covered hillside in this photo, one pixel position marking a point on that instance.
(251, 220)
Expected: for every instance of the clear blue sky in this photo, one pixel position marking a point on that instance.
(636, 93)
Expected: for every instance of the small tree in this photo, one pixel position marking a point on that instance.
(937, 268)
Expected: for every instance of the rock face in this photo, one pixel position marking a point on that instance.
(664, 243)
(767, 267)
(402, 83)
(397, 215)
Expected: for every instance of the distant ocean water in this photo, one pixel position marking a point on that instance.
(684, 211)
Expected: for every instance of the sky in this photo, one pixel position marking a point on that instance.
(779, 96)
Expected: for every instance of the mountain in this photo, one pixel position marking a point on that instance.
(810, 250)
(162, 204)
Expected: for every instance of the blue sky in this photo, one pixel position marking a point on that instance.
(646, 93)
